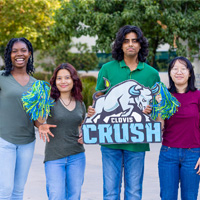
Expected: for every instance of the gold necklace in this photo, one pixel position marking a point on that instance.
(64, 102)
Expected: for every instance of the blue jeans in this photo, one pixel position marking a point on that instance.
(64, 177)
(177, 165)
(114, 160)
(15, 162)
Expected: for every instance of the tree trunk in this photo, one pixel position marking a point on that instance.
(155, 46)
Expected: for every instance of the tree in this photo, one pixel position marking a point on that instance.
(162, 21)
(82, 60)
(27, 18)
(33, 19)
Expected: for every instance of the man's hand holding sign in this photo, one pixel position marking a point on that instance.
(122, 115)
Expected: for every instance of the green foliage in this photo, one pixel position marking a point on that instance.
(89, 84)
(39, 76)
(163, 59)
(27, 18)
(83, 60)
(103, 58)
(165, 21)
(2, 67)
(42, 76)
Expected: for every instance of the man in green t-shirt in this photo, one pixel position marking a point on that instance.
(129, 50)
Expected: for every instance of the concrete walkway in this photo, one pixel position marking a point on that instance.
(92, 187)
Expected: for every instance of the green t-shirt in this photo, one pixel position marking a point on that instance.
(15, 124)
(66, 134)
(117, 72)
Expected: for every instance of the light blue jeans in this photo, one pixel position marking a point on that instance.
(114, 160)
(177, 165)
(15, 162)
(64, 177)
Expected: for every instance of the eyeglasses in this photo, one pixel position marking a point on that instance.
(175, 70)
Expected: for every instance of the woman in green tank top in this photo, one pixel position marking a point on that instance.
(64, 152)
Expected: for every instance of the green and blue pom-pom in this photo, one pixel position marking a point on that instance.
(37, 101)
(168, 105)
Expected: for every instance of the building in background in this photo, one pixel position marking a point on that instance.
(163, 57)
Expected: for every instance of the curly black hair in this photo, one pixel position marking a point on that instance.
(117, 52)
(7, 56)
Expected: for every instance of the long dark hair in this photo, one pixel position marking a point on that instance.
(117, 52)
(7, 56)
(77, 85)
(191, 80)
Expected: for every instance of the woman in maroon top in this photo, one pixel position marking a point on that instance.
(179, 158)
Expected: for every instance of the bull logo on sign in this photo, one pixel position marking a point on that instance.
(119, 115)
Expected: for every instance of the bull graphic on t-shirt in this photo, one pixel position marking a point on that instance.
(121, 100)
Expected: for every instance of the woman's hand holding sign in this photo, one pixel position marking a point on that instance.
(147, 110)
